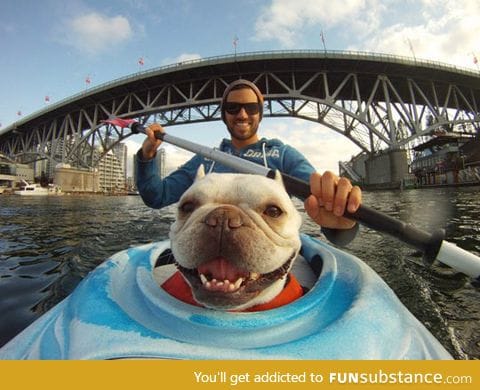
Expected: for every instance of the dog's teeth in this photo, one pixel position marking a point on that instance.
(254, 275)
(203, 278)
(219, 284)
(208, 284)
(231, 287)
(238, 283)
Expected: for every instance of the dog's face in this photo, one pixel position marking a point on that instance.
(235, 239)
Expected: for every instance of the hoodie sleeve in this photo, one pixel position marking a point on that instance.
(157, 192)
(295, 164)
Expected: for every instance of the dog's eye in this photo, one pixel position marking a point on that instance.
(273, 211)
(187, 207)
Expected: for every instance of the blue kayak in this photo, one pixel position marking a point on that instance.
(119, 311)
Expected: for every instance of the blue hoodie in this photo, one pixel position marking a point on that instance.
(273, 153)
(158, 193)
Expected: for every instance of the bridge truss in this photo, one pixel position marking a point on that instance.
(378, 102)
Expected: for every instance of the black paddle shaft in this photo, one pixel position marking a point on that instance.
(428, 243)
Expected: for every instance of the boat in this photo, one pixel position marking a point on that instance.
(37, 190)
(119, 311)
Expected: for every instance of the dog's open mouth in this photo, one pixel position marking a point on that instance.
(221, 277)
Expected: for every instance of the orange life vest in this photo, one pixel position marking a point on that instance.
(180, 289)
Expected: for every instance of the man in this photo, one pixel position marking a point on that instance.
(242, 111)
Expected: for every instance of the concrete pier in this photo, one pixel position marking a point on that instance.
(386, 170)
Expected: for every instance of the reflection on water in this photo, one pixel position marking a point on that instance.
(48, 244)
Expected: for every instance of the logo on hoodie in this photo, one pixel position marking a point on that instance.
(273, 153)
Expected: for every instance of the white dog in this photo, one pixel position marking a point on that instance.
(235, 239)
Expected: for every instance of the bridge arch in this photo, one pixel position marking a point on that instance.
(377, 101)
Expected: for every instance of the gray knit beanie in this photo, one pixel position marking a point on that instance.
(234, 85)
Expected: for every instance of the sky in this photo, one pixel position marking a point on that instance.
(48, 48)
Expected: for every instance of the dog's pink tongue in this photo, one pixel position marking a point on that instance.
(221, 269)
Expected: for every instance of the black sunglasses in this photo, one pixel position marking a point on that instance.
(233, 108)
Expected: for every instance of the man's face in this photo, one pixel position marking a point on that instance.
(242, 126)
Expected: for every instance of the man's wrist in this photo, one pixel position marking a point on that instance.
(141, 157)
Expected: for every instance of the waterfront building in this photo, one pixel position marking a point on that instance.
(7, 177)
(130, 183)
(447, 159)
(120, 150)
(77, 180)
(25, 172)
(111, 174)
(12, 173)
(161, 157)
(57, 149)
(44, 168)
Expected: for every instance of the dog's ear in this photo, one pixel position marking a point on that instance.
(200, 172)
(278, 177)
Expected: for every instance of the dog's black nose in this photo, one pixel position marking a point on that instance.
(224, 217)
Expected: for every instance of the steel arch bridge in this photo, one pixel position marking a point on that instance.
(378, 101)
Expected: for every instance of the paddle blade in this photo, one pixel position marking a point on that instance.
(120, 122)
(459, 259)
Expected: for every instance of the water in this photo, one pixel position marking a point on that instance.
(48, 244)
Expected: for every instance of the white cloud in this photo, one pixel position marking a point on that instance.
(438, 30)
(175, 157)
(188, 57)
(285, 20)
(184, 57)
(92, 32)
(323, 147)
(445, 31)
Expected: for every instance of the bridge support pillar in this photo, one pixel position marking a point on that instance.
(386, 170)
